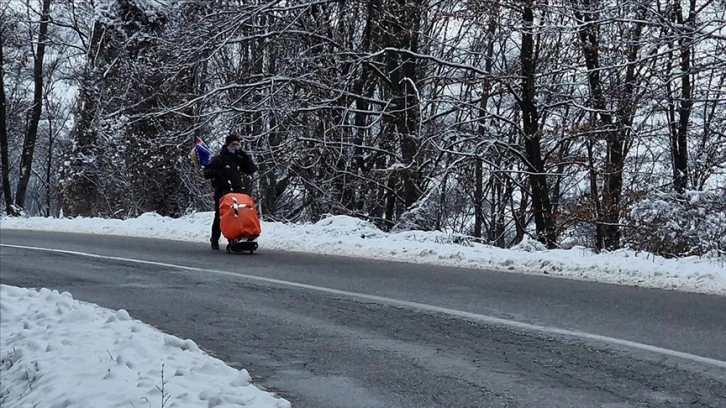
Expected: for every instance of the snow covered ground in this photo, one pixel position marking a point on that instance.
(341, 235)
(59, 352)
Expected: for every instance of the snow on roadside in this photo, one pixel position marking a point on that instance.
(342, 235)
(60, 352)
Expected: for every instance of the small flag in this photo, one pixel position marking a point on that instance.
(200, 153)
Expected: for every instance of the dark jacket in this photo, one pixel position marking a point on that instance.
(226, 169)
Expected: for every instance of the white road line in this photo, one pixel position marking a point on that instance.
(486, 319)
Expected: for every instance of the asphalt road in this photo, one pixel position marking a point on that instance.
(342, 332)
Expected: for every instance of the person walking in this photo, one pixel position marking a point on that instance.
(225, 170)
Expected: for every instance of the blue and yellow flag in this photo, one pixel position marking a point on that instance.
(200, 154)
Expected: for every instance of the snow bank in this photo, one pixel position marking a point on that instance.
(342, 235)
(59, 352)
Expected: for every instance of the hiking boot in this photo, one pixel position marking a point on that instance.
(215, 245)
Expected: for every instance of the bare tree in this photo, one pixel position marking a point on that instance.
(474, 118)
(31, 133)
(542, 207)
(614, 124)
(10, 208)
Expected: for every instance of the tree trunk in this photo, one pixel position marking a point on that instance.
(679, 142)
(408, 122)
(390, 193)
(402, 33)
(613, 189)
(364, 89)
(615, 131)
(31, 134)
(594, 194)
(520, 216)
(49, 169)
(543, 219)
(500, 205)
(7, 192)
(478, 197)
(486, 92)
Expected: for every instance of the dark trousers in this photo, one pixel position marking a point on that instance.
(216, 231)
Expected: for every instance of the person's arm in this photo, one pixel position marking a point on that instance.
(211, 170)
(247, 165)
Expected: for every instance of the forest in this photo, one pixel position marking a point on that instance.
(595, 123)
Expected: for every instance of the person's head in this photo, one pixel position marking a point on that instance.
(232, 143)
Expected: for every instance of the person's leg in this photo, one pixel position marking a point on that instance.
(216, 231)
